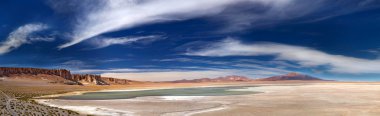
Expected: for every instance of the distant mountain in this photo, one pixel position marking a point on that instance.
(232, 78)
(61, 76)
(290, 76)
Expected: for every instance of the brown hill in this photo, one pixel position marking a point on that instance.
(62, 76)
(290, 76)
(232, 78)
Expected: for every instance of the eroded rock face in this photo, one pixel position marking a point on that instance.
(115, 81)
(88, 79)
(77, 79)
(5, 71)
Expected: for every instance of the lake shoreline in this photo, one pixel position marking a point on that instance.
(61, 90)
(92, 110)
(273, 99)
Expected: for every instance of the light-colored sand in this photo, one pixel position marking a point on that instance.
(285, 100)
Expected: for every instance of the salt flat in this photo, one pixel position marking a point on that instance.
(285, 100)
(311, 100)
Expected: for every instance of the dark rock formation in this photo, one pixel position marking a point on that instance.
(73, 79)
(88, 79)
(5, 71)
(219, 79)
(290, 76)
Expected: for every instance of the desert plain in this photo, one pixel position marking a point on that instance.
(273, 98)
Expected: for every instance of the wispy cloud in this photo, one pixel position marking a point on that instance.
(304, 56)
(174, 74)
(157, 73)
(76, 64)
(194, 61)
(168, 75)
(103, 42)
(114, 15)
(23, 35)
(240, 63)
(111, 60)
(100, 71)
(99, 16)
(268, 12)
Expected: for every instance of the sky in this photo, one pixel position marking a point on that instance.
(162, 40)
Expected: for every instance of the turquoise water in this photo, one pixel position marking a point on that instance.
(201, 91)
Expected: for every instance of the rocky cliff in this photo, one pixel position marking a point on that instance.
(77, 79)
(5, 71)
(88, 79)
(116, 81)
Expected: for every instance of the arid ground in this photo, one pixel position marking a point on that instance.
(276, 99)
(286, 98)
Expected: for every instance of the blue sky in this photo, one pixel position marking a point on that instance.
(182, 39)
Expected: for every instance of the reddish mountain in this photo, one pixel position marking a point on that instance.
(62, 76)
(232, 78)
(290, 76)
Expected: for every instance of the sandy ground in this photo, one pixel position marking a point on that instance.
(277, 99)
(17, 93)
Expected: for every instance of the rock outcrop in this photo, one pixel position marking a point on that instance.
(115, 81)
(88, 79)
(72, 79)
(290, 76)
(5, 71)
(232, 78)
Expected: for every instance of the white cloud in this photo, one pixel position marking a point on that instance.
(243, 64)
(166, 76)
(304, 56)
(114, 15)
(107, 41)
(120, 70)
(170, 75)
(22, 35)
(76, 64)
(96, 17)
(112, 60)
(159, 74)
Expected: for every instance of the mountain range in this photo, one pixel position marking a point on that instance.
(291, 76)
(234, 78)
(63, 76)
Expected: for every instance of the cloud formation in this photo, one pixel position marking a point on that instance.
(107, 41)
(304, 56)
(76, 64)
(117, 70)
(98, 17)
(114, 15)
(170, 75)
(157, 73)
(23, 35)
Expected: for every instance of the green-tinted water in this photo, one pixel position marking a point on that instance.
(202, 91)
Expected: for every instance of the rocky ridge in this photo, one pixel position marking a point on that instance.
(71, 79)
